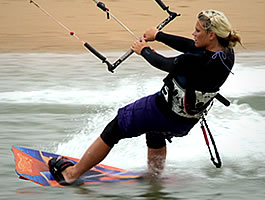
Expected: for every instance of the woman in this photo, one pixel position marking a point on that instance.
(193, 80)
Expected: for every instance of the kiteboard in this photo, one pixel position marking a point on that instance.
(32, 165)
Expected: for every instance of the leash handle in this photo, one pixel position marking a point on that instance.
(205, 134)
(217, 164)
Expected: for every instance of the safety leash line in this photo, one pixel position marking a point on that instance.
(57, 21)
(204, 124)
(88, 46)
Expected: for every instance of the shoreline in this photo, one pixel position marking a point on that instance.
(24, 28)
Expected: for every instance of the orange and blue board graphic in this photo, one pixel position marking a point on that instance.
(33, 165)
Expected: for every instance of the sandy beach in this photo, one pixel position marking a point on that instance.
(25, 28)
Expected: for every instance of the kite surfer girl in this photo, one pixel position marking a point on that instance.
(193, 81)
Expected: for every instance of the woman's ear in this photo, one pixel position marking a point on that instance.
(212, 35)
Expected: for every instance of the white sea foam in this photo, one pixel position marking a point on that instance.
(53, 74)
(245, 82)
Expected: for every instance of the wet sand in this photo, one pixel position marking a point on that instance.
(25, 28)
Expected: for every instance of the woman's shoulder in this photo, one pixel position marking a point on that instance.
(222, 59)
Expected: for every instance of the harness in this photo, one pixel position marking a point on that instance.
(186, 102)
(193, 104)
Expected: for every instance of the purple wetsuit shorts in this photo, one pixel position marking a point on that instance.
(144, 116)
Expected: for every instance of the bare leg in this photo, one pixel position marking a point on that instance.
(93, 155)
(156, 160)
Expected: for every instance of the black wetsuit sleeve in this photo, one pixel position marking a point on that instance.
(183, 64)
(157, 60)
(176, 42)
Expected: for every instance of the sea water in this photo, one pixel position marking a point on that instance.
(61, 103)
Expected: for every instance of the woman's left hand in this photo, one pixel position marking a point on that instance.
(138, 46)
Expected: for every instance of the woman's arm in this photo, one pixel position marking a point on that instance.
(178, 43)
(141, 48)
(157, 60)
(181, 64)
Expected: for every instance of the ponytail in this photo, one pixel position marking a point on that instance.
(230, 41)
(233, 39)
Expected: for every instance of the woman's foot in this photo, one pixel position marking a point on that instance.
(61, 168)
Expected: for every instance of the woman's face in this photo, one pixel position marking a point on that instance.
(201, 37)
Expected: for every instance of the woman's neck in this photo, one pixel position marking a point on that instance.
(215, 49)
(215, 46)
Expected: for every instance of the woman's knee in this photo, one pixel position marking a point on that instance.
(155, 140)
(111, 134)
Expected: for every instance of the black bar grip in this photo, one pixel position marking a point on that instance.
(100, 56)
(161, 4)
(95, 52)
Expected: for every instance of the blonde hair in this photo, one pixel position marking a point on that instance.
(215, 21)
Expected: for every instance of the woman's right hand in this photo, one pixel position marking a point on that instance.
(138, 46)
(150, 34)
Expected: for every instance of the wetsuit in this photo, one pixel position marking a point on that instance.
(195, 69)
